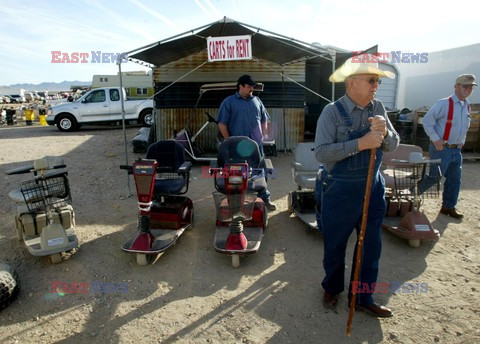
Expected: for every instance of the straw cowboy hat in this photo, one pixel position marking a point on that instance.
(356, 65)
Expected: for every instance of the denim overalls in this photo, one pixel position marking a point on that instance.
(341, 212)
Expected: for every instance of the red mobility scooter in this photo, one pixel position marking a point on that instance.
(164, 214)
(239, 174)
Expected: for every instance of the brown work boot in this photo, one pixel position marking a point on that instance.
(271, 206)
(451, 212)
(330, 300)
(375, 310)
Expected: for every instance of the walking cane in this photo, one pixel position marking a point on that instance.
(361, 236)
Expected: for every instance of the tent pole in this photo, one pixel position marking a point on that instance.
(333, 54)
(283, 108)
(122, 101)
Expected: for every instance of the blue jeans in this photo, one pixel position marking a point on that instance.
(451, 168)
(264, 195)
(341, 214)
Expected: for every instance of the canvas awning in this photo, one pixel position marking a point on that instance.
(265, 45)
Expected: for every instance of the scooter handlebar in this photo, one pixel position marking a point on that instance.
(29, 168)
(126, 167)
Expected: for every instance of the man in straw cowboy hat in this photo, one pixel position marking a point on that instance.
(446, 123)
(346, 132)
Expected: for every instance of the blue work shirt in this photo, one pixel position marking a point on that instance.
(243, 117)
(435, 120)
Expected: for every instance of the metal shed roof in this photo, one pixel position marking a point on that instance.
(265, 45)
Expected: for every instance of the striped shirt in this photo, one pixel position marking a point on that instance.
(332, 142)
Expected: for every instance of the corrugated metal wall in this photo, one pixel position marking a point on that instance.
(174, 119)
(387, 91)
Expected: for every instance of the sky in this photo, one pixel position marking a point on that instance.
(30, 30)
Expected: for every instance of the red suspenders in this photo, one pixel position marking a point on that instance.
(448, 126)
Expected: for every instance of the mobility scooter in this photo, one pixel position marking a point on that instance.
(160, 179)
(239, 174)
(305, 168)
(409, 178)
(45, 219)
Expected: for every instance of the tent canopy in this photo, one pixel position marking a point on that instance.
(267, 46)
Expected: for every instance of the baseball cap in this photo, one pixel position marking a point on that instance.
(466, 79)
(246, 80)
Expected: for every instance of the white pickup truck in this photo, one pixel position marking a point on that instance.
(100, 105)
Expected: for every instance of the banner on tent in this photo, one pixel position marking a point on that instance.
(229, 48)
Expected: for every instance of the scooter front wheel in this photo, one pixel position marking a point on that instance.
(414, 242)
(235, 260)
(56, 258)
(289, 202)
(142, 259)
(9, 285)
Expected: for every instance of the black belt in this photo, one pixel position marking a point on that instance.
(451, 146)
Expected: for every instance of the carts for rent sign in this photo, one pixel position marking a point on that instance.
(229, 48)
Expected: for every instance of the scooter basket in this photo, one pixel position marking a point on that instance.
(231, 206)
(420, 179)
(43, 194)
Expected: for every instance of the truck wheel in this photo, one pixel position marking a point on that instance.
(9, 285)
(146, 118)
(66, 123)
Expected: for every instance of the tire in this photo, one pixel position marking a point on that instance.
(67, 123)
(142, 259)
(289, 202)
(192, 219)
(56, 258)
(9, 285)
(414, 243)
(235, 260)
(146, 118)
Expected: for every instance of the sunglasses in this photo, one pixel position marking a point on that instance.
(371, 81)
(467, 86)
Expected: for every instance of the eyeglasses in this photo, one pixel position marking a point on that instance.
(371, 81)
(467, 86)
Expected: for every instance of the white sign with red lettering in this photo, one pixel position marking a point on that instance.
(229, 48)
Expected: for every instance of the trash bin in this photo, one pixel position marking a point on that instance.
(42, 116)
(29, 115)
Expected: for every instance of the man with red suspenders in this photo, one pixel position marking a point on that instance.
(446, 123)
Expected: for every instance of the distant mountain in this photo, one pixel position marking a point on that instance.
(45, 86)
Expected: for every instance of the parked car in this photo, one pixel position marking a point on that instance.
(98, 106)
(29, 96)
(11, 99)
(19, 98)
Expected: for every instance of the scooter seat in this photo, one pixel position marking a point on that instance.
(168, 186)
(258, 184)
(306, 181)
(305, 166)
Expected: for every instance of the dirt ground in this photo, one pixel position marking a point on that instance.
(192, 294)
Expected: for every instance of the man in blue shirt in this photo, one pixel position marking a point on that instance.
(446, 123)
(243, 114)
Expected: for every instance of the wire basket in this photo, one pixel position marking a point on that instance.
(413, 180)
(231, 206)
(46, 193)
